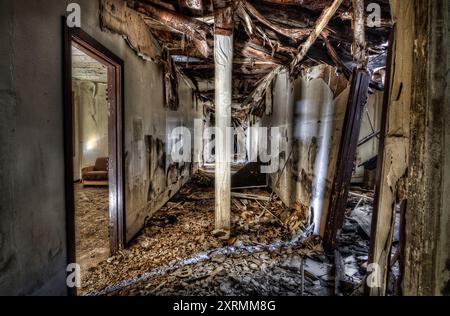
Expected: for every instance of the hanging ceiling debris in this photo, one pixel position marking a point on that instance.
(268, 35)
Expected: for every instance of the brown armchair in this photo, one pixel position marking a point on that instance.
(96, 175)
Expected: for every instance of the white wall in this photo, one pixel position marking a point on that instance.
(91, 125)
(312, 111)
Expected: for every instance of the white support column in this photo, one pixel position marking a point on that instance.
(223, 53)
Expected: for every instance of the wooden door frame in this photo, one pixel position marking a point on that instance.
(115, 65)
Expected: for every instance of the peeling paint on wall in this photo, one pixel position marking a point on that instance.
(117, 17)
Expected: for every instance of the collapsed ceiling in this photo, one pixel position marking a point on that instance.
(267, 34)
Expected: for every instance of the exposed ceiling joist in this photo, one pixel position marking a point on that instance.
(267, 35)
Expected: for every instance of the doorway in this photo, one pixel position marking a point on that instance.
(93, 116)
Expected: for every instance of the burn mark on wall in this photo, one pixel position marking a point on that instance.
(312, 152)
(296, 155)
(172, 174)
(137, 129)
(299, 174)
(148, 151)
(161, 154)
(170, 83)
(156, 167)
(177, 171)
(306, 181)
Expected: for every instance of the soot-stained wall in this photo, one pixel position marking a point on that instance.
(33, 252)
(152, 178)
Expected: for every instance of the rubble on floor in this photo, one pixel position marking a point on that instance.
(276, 273)
(268, 252)
(354, 242)
(177, 254)
(91, 225)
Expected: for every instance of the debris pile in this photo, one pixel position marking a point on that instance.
(296, 218)
(184, 227)
(178, 254)
(354, 242)
(288, 272)
(203, 179)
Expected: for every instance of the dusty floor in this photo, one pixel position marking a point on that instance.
(176, 253)
(91, 226)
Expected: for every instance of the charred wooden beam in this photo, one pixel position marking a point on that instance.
(160, 3)
(247, 69)
(195, 29)
(339, 273)
(252, 50)
(246, 19)
(261, 37)
(321, 24)
(223, 17)
(347, 153)
(287, 16)
(368, 138)
(246, 72)
(294, 33)
(335, 57)
(170, 83)
(256, 97)
(314, 5)
(259, 93)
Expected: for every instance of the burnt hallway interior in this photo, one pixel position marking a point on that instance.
(219, 147)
